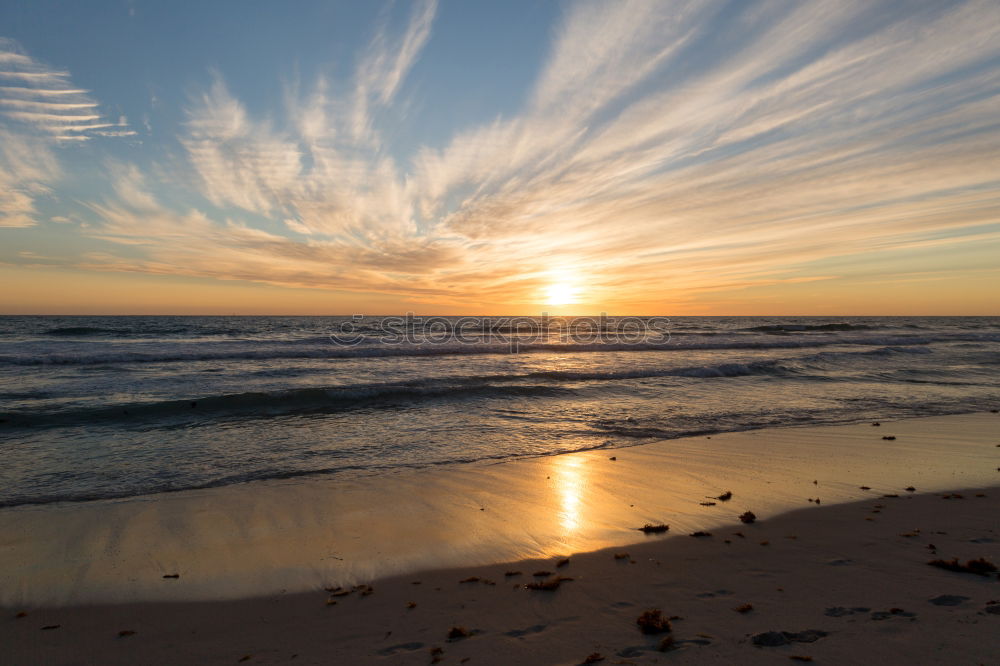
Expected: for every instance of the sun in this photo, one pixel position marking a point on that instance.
(560, 293)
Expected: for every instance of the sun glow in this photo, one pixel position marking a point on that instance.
(561, 293)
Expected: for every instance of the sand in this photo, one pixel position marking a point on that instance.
(811, 569)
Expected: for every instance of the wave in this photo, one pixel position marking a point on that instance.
(141, 330)
(802, 328)
(337, 398)
(77, 331)
(301, 401)
(262, 350)
(119, 493)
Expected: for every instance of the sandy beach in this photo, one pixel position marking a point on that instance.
(844, 579)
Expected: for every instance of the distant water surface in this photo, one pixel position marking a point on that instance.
(99, 407)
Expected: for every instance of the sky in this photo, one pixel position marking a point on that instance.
(631, 157)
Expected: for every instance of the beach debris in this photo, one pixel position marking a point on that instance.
(457, 633)
(338, 592)
(653, 622)
(953, 496)
(666, 644)
(49, 627)
(980, 566)
(436, 655)
(765, 543)
(914, 533)
(613, 458)
(890, 495)
(744, 608)
(910, 489)
(865, 487)
(245, 657)
(948, 600)
(416, 582)
(739, 534)
(125, 633)
(815, 482)
(701, 534)
(593, 658)
(747, 517)
(621, 556)
(171, 575)
(470, 579)
(411, 604)
(707, 503)
(649, 528)
(550, 585)
(876, 423)
(776, 638)
(21, 614)
(512, 573)
(561, 563)
(889, 437)
(542, 574)
(980, 494)
(726, 496)
(365, 590)
(330, 601)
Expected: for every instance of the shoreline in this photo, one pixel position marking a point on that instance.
(253, 539)
(848, 583)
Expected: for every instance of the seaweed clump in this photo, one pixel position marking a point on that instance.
(653, 622)
(980, 567)
(550, 585)
(649, 528)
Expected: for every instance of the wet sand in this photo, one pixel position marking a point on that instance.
(97, 570)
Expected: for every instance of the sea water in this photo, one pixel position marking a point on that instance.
(103, 407)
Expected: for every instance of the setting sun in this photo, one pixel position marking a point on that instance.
(561, 293)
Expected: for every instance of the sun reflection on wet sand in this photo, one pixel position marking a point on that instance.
(570, 474)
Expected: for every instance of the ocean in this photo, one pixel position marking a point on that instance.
(108, 407)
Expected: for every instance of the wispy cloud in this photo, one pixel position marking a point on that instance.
(40, 109)
(27, 165)
(44, 98)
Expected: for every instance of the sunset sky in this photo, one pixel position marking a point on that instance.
(319, 157)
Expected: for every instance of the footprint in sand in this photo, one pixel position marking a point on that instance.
(840, 611)
(948, 600)
(402, 647)
(534, 629)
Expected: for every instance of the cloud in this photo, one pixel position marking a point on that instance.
(664, 149)
(43, 99)
(27, 165)
(40, 109)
